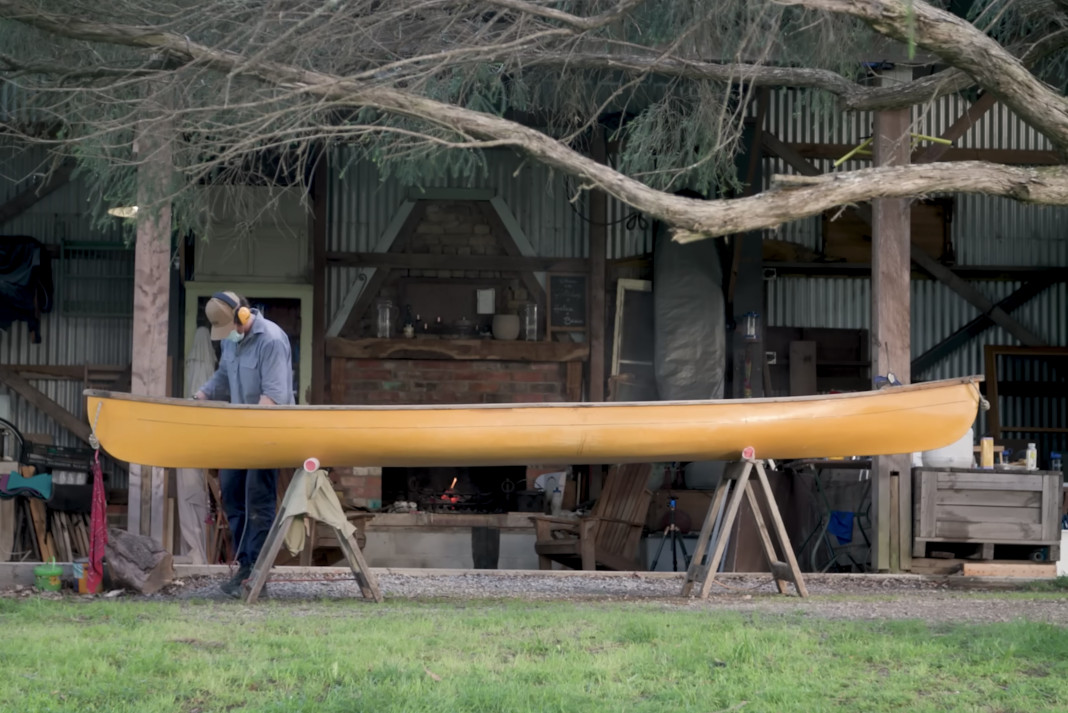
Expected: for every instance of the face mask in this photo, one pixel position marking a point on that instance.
(234, 336)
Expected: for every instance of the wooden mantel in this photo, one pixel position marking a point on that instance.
(469, 349)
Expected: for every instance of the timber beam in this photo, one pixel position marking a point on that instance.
(370, 281)
(776, 147)
(936, 151)
(975, 297)
(426, 261)
(318, 229)
(1015, 273)
(28, 197)
(598, 252)
(45, 404)
(983, 322)
(462, 349)
(1010, 157)
(515, 243)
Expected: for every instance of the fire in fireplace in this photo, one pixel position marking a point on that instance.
(475, 489)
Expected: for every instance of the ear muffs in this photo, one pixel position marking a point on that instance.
(241, 314)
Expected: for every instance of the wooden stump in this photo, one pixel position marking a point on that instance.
(137, 562)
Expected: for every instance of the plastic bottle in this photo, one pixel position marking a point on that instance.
(556, 501)
(1055, 461)
(1032, 457)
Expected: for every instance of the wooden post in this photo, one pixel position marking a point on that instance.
(745, 288)
(319, 227)
(151, 308)
(598, 257)
(337, 380)
(890, 337)
(598, 247)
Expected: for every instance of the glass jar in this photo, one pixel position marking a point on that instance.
(530, 321)
(386, 314)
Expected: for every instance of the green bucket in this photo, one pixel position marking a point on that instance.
(47, 576)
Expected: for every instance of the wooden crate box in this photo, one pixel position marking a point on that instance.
(985, 506)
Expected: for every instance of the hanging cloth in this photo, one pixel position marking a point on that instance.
(199, 361)
(193, 508)
(311, 494)
(98, 528)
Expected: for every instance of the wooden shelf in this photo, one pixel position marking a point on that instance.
(467, 349)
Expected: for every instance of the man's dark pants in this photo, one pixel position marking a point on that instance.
(249, 498)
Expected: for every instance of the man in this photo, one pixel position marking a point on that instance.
(255, 367)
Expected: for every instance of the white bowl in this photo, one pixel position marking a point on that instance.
(505, 326)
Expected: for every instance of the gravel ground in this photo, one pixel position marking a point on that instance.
(934, 599)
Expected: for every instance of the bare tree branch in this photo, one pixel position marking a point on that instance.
(579, 23)
(758, 75)
(254, 86)
(962, 45)
(65, 72)
(803, 196)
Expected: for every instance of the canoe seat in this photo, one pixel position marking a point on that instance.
(607, 538)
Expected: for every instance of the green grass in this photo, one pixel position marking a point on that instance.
(1059, 584)
(348, 656)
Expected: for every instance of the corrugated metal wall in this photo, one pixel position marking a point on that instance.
(937, 312)
(66, 340)
(985, 230)
(362, 205)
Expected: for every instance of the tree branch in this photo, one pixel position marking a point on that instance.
(793, 197)
(584, 24)
(692, 219)
(962, 45)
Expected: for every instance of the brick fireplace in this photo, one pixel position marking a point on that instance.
(411, 379)
(447, 272)
(439, 381)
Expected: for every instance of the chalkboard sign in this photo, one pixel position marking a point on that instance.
(566, 295)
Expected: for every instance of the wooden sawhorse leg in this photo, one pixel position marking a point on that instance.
(276, 536)
(715, 539)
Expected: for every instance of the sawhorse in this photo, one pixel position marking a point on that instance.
(310, 478)
(714, 539)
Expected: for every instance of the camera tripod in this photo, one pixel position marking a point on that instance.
(675, 534)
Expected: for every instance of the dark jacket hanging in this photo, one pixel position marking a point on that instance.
(26, 290)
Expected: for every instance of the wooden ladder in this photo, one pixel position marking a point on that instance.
(713, 538)
(276, 536)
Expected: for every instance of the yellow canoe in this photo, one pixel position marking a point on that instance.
(181, 433)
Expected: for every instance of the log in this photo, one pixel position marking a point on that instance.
(137, 562)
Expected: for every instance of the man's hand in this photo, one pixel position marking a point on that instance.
(266, 400)
(200, 396)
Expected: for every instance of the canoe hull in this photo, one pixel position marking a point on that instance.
(178, 433)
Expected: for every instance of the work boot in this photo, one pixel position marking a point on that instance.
(232, 586)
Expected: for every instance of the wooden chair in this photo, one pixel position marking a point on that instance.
(609, 537)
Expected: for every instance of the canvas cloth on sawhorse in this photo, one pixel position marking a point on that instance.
(310, 494)
(713, 538)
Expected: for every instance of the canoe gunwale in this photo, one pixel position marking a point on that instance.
(165, 400)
